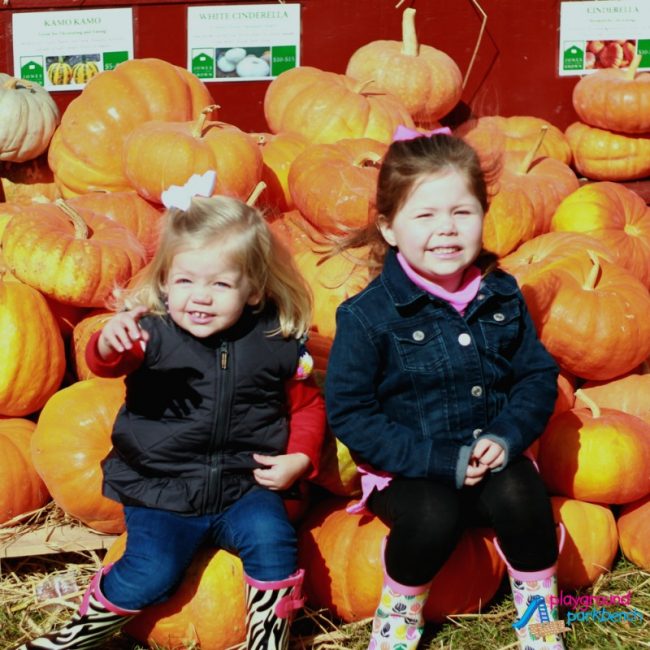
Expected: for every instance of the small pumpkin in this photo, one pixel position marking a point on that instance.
(21, 488)
(81, 334)
(633, 533)
(426, 79)
(84, 71)
(28, 118)
(60, 72)
(72, 437)
(32, 355)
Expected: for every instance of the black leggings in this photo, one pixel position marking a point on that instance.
(426, 520)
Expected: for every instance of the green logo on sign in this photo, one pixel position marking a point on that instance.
(574, 59)
(32, 70)
(203, 65)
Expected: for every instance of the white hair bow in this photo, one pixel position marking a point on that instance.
(180, 196)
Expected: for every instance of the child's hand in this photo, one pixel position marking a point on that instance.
(474, 473)
(280, 472)
(489, 453)
(121, 332)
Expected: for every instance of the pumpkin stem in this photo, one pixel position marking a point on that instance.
(410, 45)
(593, 407)
(362, 85)
(12, 83)
(592, 278)
(532, 152)
(80, 226)
(630, 73)
(197, 130)
(255, 194)
(369, 159)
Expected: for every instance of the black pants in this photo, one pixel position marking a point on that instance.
(426, 520)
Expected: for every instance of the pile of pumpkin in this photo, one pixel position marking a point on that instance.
(581, 253)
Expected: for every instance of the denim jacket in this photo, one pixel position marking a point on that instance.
(412, 384)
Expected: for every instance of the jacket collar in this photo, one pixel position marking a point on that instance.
(403, 292)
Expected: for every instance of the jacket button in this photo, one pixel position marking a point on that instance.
(498, 317)
(477, 432)
(418, 335)
(481, 296)
(477, 391)
(464, 339)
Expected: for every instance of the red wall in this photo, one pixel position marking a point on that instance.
(514, 73)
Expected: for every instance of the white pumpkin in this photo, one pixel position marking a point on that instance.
(235, 54)
(224, 65)
(28, 118)
(253, 66)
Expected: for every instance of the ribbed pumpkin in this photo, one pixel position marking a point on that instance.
(341, 556)
(615, 215)
(633, 533)
(86, 150)
(618, 100)
(28, 118)
(208, 610)
(72, 437)
(597, 455)
(32, 355)
(334, 185)
(75, 256)
(59, 73)
(84, 71)
(590, 545)
(21, 488)
(159, 154)
(326, 107)
(426, 79)
(602, 155)
(591, 315)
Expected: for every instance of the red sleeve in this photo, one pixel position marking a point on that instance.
(306, 420)
(121, 364)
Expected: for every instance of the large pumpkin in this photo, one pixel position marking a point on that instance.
(326, 107)
(334, 185)
(32, 356)
(426, 79)
(208, 610)
(21, 488)
(590, 544)
(597, 455)
(618, 100)
(341, 556)
(615, 215)
(163, 153)
(633, 532)
(72, 437)
(73, 255)
(86, 150)
(28, 117)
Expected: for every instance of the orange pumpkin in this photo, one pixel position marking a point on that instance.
(337, 472)
(602, 155)
(75, 256)
(208, 610)
(566, 398)
(633, 532)
(591, 315)
(427, 80)
(615, 215)
(596, 455)
(72, 437)
(23, 182)
(326, 107)
(86, 150)
(590, 545)
(83, 330)
(334, 185)
(32, 355)
(615, 99)
(341, 556)
(21, 488)
(158, 154)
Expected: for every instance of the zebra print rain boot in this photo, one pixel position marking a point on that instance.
(96, 620)
(270, 607)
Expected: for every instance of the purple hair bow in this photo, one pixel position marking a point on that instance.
(405, 133)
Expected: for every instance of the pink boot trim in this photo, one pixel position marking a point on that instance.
(94, 590)
(405, 590)
(292, 601)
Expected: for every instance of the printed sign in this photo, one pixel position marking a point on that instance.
(242, 42)
(63, 50)
(603, 34)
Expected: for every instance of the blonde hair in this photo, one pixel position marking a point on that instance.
(247, 240)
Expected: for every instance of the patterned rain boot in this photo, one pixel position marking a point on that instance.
(96, 620)
(398, 622)
(537, 625)
(270, 607)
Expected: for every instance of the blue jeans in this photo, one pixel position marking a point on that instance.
(160, 546)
